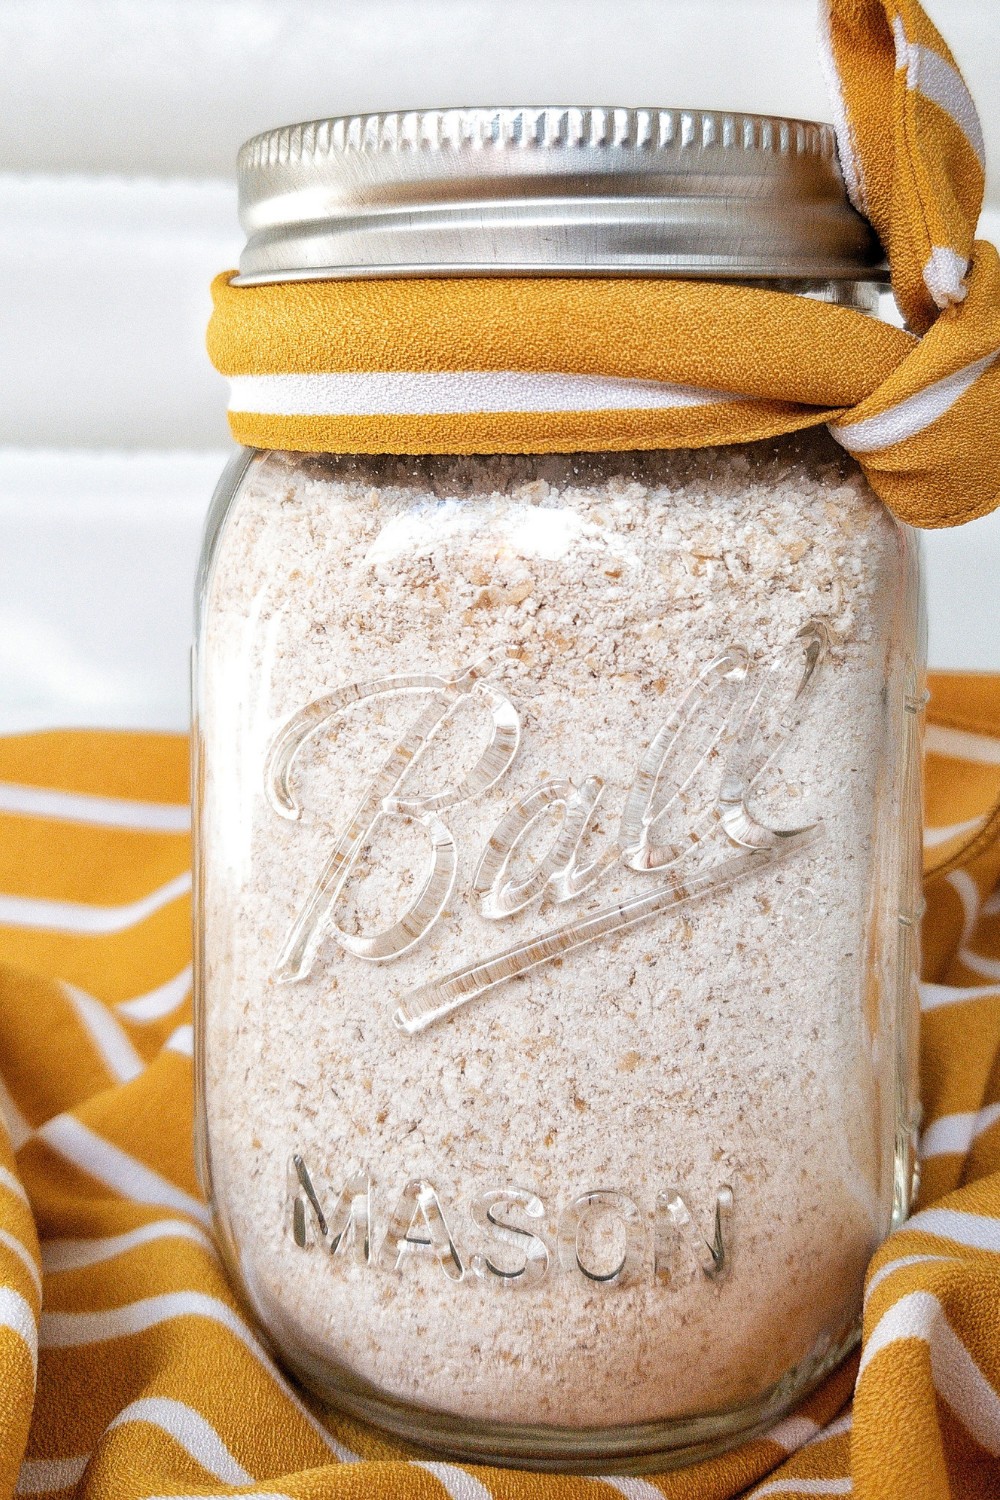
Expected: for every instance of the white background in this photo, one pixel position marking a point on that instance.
(119, 124)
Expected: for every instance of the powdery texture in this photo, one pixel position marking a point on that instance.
(746, 1039)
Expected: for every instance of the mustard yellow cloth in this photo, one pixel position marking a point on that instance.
(150, 1381)
(515, 365)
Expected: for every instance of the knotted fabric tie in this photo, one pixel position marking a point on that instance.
(515, 365)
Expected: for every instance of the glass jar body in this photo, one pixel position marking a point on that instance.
(557, 872)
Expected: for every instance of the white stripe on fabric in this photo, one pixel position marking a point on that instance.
(190, 1431)
(16, 1314)
(459, 1484)
(424, 393)
(792, 1433)
(954, 1134)
(962, 744)
(632, 1489)
(911, 415)
(846, 149)
(972, 1230)
(934, 77)
(985, 1120)
(944, 276)
(833, 1430)
(949, 1136)
(18, 1248)
(116, 1169)
(74, 1254)
(989, 968)
(181, 1040)
(120, 1057)
(41, 1476)
(159, 1002)
(957, 1378)
(75, 917)
(71, 1330)
(792, 1486)
(17, 1126)
(933, 996)
(935, 837)
(901, 1264)
(960, 1381)
(106, 812)
(12, 1184)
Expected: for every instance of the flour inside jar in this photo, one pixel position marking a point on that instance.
(549, 862)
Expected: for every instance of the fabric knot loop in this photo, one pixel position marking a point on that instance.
(520, 365)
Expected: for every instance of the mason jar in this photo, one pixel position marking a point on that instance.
(557, 829)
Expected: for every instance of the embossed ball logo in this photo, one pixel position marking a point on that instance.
(729, 725)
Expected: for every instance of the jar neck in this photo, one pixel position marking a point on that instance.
(862, 295)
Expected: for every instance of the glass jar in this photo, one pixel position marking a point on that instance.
(557, 824)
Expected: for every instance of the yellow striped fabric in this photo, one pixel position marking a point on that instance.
(514, 365)
(150, 1382)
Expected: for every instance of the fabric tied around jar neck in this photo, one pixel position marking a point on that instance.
(540, 365)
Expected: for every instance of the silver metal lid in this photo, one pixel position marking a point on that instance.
(550, 191)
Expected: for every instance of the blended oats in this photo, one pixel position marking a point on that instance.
(580, 944)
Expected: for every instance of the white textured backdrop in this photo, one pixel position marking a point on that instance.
(119, 124)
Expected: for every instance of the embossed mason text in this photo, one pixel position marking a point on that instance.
(507, 1236)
